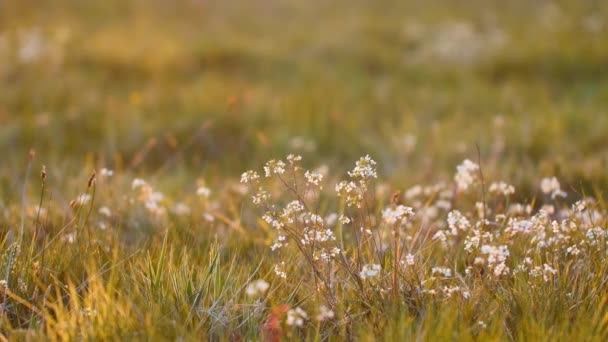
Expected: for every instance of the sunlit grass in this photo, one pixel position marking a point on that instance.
(185, 96)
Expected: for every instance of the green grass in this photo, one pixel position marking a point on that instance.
(186, 94)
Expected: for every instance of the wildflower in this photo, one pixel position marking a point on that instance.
(573, 250)
(296, 317)
(445, 271)
(203, 191)
(457, 222)
(260, 197)
(440, 235)
(324, 313)
(302, 143)
(313, 178)
(208, 217)
(397, 214)
(496, 257)
(369, 270)
(292, 159)
(331, 219)
(276, 167)
(443, 204)
(547, 271)
(69, 238)
(257, 288)
(351, 192)
(105, 211)
(279, 242)
(272, 221)
(409, 260)
(449, 291)
(466, 174)
(249, 176)
(88, 312)
(364, 169)
(344, 220)
(552, 186)
(106, 173)
(293, 207)
(278, 270)
(137, 183)
(579, 206)
(502, 188)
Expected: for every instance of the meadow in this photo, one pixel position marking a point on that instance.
(303, 170)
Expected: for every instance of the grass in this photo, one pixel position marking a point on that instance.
(188, 95)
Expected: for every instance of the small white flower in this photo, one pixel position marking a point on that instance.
(397, 215)
(276, 167)
(369, 271)
(552, 186)
(466, 174)
(502, 188)
(296, 317)
(293, 158)
(203, 191)
(249, 176)
(324, 313)
(344, 220)
(137, 183)
(364, 169)
(106, 173)
(313, 178)
(181, 209)
(445, 271)
(409, 260)
(278, 270)
(257, 288)
(105, 211)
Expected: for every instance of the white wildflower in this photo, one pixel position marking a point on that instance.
(445, 271)
(105, 211)
(313, 178)
(344, 220)
(249, 176)
(208, 217)
(203, 191)
(257, 288)
(274, 167)
(296, 317)
(409, 260)
(466, 174)
(552, 186)
(502, 188)
(278, 270)
(397, 215)
(137, 183)
(324, 313)
(106, 173)
(369, 270)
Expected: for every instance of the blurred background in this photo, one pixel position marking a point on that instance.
(183, 89)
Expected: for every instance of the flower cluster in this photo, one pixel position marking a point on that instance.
(466, 174)
(362, 245)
